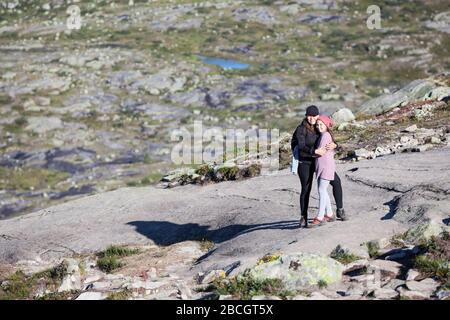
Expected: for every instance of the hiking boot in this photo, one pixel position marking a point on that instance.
(340, 213)
(329, 218)
(303, 222)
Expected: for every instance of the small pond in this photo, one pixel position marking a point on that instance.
(224, 63)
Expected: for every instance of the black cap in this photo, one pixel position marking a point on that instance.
(312, 111)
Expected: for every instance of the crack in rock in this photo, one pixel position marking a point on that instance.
(286, 190)
(395, 169)
(56, 250)
(372, 184)
(255, 199)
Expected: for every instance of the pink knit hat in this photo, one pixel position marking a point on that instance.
(326, 121)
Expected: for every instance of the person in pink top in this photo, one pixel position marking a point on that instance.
(325, 170)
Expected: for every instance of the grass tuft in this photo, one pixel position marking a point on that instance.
(343, 256)
(228, 173)
(108, 260)
(119, 295)
(245, 286)
(435, 261)
(373, 249)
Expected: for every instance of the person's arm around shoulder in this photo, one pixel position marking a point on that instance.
(325, 139)
(332, 145)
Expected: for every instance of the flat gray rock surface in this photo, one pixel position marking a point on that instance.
(245, 219)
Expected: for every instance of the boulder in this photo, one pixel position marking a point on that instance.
(440, 22)
(363, 153)
(212, 276)
(385, 294)
(427, 285)
(342, 116)
(414, 91)
(318, 296)
(91, 296)
(243, 101)
(356, 265)
(92, 278)
(72, 265)
(394, 284)
(367, 282)
(184, 291)
(8, 75)
(435, 140)
(179, 174)
(42, 101)
(355, 289)
(405, 139)
(291, 9)
(424, 111)
(411, 129)
(425, 231)
(300, 270)
(439, 94)
(141, 284)
(319, 18)
(124, 78)
(379, 243)
(381, 151)
(412, 275)
(262, 15)
(262, 297)
(406, 294)
(70, 282)
(100, 286)
(50, 84)
(191, 98)
(330, 96)
(157, 83)
(443, 294)
(43, 124)
(389, 269)
(75, 60)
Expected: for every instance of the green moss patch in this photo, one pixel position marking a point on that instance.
(30, 178)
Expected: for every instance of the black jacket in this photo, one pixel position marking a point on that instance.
(306, 141)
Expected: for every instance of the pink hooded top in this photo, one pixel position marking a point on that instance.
(325, 165)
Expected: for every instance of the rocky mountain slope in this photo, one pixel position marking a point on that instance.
(91, 110)
(86, 116)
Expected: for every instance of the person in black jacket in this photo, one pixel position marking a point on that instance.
(306, 138)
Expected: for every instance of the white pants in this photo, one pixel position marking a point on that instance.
(324, 199)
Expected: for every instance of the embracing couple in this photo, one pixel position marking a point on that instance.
(313, 148)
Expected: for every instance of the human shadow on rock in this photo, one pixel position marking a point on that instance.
(167, 233)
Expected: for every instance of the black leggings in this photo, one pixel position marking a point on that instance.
(306, 174)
